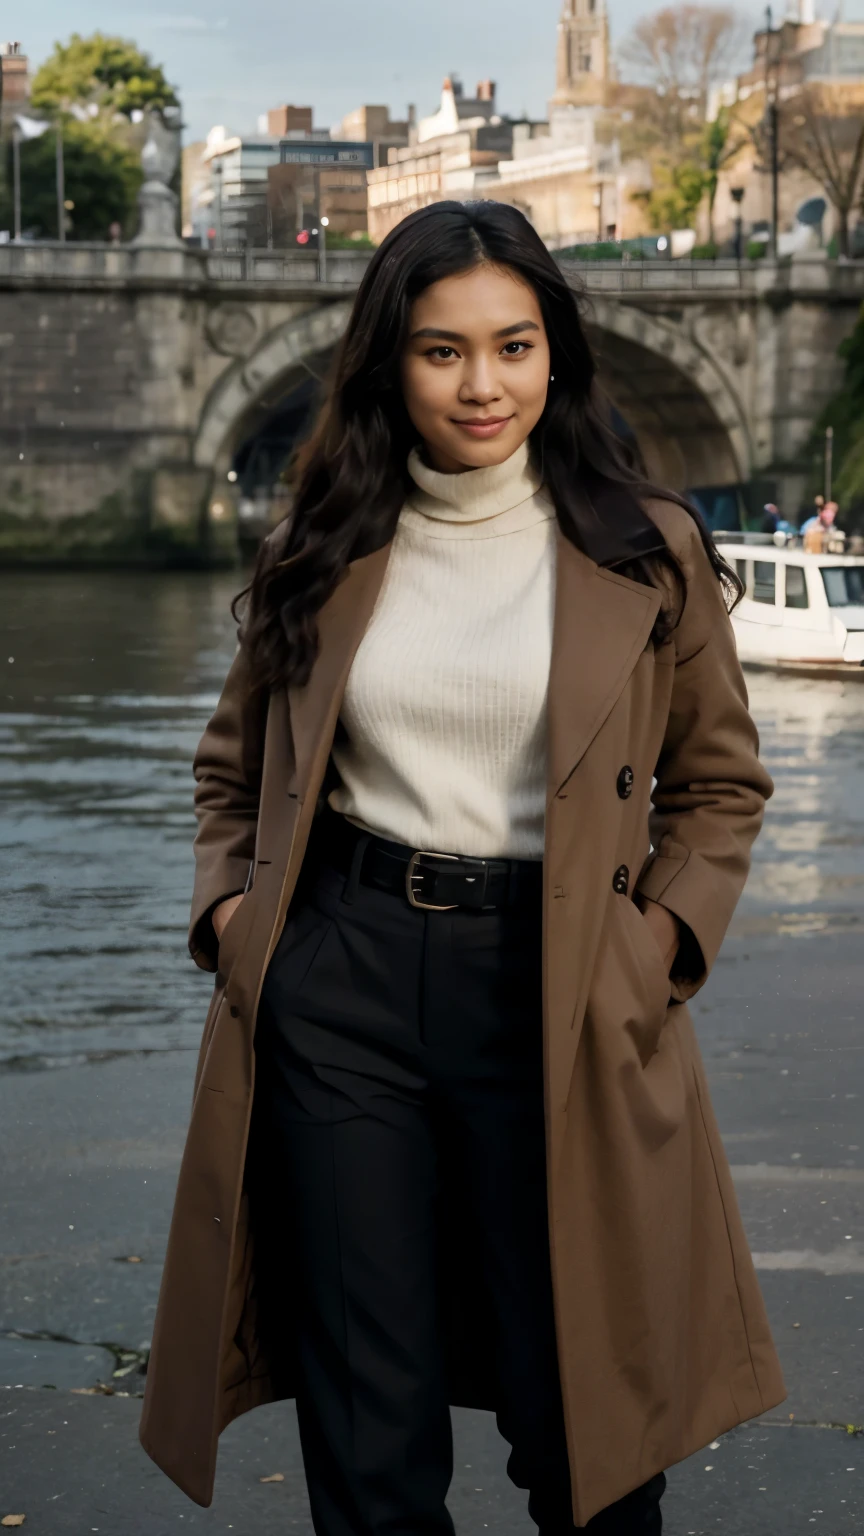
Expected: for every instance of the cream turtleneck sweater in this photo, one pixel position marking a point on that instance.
(444, 714)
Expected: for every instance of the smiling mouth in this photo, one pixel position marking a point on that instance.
(482, 426)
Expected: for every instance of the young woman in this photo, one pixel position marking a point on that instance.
(451, 1140)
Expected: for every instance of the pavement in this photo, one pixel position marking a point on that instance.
(90, 1155)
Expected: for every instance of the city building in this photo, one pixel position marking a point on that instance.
(374, 125)
(582, 64)
(14, 80)
(225, 188)
(237, 191)
(305, 196)
(803, 51)
(565, 173)
(452, 153)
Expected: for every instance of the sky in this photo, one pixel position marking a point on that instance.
(232, 59)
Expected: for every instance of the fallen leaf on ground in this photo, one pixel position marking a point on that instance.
(275, 1477)
(13, 1520)
(130, 1258)
(100, 1390)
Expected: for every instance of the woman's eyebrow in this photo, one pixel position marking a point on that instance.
(431, 333)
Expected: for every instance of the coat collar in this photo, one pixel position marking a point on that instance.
(602, 624)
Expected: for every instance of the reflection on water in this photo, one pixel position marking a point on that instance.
(808, 870)
(112, 680)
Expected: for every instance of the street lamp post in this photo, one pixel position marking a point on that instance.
(61, 181)
(737, 196)
(217, 172)
(773, 130)
(16, 181)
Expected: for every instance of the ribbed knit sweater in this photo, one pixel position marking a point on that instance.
(444, 714)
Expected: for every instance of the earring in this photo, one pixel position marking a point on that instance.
(551, 378)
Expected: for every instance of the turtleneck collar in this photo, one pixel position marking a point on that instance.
(476, 494)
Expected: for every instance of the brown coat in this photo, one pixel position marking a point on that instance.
(662, 1336)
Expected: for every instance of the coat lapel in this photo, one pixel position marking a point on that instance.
(314, 708)
(602, 624)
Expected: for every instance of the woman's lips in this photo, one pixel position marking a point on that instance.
(488, 426)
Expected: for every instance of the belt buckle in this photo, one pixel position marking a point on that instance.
(411, 876)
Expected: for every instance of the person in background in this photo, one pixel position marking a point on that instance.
(824, 517)
(772, 522)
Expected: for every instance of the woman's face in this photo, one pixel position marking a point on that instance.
(475, 370)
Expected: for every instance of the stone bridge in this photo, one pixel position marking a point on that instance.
(149, 398)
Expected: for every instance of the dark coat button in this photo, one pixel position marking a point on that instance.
(621, 880)
(234, 1012)
(624, 783)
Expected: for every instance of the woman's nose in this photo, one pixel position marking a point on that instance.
(479, 382)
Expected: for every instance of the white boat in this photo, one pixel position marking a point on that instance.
(802, 611)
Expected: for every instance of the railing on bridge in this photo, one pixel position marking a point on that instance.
(49, 262)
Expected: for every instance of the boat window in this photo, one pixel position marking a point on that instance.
(764, 581)
(844, 585)
(796, 587)
(741, 568)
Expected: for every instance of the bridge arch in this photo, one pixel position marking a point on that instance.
(686, 416)
(674, 396)
(286, 355)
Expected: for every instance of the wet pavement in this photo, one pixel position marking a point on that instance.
(112, 679)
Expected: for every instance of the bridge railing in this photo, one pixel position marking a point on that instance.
(85, 263)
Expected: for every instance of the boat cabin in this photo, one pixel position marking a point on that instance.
(798, 607)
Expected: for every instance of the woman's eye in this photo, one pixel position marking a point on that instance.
(440, 352)
(520, 347)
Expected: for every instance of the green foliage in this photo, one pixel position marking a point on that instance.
(600, 250)
(102, 178)
(707, 252)
(846, 415)
(756, 250)
(678, 190)
(339, 242)
(109, 71)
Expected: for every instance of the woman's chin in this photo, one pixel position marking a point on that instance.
(479, 453)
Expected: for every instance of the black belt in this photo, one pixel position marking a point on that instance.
(432, 882)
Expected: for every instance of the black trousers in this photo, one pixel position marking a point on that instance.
(399, 1091)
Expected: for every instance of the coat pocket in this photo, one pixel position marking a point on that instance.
(233, 935)
(646, 980)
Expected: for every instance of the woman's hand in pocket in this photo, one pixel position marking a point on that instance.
(665, 928)
(223, 913)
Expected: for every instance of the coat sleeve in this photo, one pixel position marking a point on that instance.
(227, 769)
(710, 790)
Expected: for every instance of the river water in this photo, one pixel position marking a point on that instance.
(108, 680)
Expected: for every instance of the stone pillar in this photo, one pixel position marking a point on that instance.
(157, 203)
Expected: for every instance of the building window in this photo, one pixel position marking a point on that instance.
(585, 63)
(764, 581)
(796, 587)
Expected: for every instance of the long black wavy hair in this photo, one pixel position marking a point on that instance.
(351, 475)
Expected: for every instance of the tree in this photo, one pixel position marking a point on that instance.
(679, 53)
(107, 71)
(821, 130)
(675, 56)
(720, 144)
(103, 176)
(846, 415)
(674, 199)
